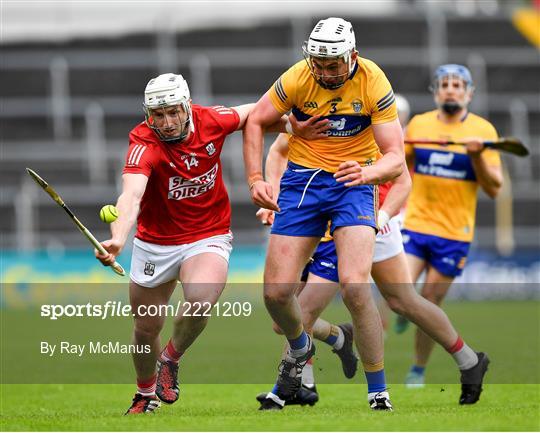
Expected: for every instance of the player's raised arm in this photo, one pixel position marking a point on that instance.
(128, 205)
(263, 115)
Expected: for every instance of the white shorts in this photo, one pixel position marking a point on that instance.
(152, 265)
(388, 242)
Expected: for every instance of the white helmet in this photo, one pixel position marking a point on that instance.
(403, 108)
(332, 38)
(168, 90)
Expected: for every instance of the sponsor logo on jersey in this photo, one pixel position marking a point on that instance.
(449, 165)
(439, 164)
(357, 105)
(149, 268)
(311, 104)
(437, 158)
(338, 125)
(181, 188)
(210, 149)
(436, 170)
(343, 125)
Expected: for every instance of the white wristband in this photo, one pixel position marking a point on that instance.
(382, 219)
(288, 127)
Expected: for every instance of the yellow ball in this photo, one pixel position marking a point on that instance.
(108, 213)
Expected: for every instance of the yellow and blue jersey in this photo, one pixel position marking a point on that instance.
(365, 99)
(443, 199)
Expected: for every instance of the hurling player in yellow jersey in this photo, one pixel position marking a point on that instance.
(331, 178)
(440, 216)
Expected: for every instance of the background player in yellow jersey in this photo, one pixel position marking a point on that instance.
(440, 216)
(328, 179)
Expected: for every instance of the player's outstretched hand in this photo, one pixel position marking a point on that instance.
(262, 195)
(310, 129)
(352, 173)
(265, 216)
(113, 248)
(474, 145)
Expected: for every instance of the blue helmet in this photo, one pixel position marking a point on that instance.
(455, 70)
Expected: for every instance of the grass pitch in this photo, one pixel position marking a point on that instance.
(244, 354)
(233, 407)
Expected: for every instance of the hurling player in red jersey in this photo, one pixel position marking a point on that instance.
(173, 188)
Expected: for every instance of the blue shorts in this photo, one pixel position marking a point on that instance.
(309, 198)
(323, 263)
(445, 255)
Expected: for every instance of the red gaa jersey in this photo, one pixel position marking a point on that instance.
(185, 198)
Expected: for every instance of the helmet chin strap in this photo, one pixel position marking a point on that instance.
(330, 86)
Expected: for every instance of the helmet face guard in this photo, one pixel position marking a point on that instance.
(172, 123)
(167, 107)
(330, 72)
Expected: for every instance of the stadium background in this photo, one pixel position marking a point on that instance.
(72, 77)
(71, 80)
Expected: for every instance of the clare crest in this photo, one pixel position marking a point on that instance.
(357, 105)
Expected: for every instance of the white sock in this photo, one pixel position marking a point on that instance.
(275, 399)
(465, 357)
(297, 353)
(147, 391)
(372, 395)
(307, 375)
(340, 339)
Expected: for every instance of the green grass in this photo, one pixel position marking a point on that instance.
(233, 407)
(242, 354)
